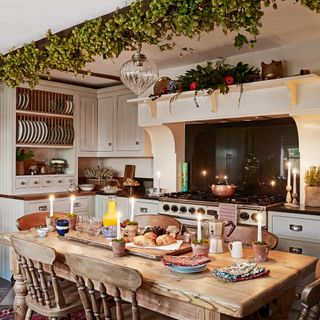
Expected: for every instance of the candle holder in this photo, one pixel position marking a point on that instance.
(288, 196)
(295, 203)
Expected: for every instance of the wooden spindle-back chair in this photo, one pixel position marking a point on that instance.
(36, 266)
(248, 234)
(310, 299)
(88, 270)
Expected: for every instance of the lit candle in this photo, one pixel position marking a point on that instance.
(259, 218)
(72, 198)
(204, 173)
(51, 205)
(273, 183)
(199, 228)
(294, 171)
(289, 175)
(132, 201)
(118, 225)
(158, 180)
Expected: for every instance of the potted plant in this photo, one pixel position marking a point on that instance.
(132, 228)
(312, 188)
(118, 247)
(21, 156)
(200, 247)
(260, 251)
(72, 217)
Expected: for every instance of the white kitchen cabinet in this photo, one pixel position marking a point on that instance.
(88, 113)
(106, 108)
(116, 132)
(128, 133)
(101, 206)
(297, 232)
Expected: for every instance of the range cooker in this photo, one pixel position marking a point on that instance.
(185, 206)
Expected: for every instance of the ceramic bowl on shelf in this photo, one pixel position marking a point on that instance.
(86, 187)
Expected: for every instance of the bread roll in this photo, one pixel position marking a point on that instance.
(143, 241)
(165, 240)
(150, 235)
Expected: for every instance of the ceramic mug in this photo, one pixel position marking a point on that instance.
(62, 226)
(236, 249)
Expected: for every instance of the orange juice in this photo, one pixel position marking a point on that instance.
(110, 217)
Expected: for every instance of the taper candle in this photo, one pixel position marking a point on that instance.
(289, 175)
(118, 225)
(51, 205)
(294, 171)
(132, 201)
(199, 228)
(72, 198)
(259, 218)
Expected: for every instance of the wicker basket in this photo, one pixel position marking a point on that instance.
(312, 196)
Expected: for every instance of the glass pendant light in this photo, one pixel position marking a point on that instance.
(139, 74)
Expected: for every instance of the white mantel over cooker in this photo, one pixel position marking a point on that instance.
(298, 97)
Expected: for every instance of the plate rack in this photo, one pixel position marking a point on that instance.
(44, 102)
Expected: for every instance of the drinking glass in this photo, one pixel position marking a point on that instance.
(94, 226)
(81, 224)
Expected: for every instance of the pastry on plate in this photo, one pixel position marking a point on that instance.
(165, 240)
(143, 241)
(150, 235)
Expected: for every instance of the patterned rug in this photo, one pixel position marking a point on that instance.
(8, 314)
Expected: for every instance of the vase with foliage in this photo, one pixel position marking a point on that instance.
(200, 247)
(260, 251)
(312, 188)
(21, 156)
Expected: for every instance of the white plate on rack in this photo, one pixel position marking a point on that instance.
(18, 102)
(28, 131)
(32, 131)
(23, 98)
(27, 99)
(23, 131)
(41, 130)
(20, 132)
(45, 135)
(38, 131)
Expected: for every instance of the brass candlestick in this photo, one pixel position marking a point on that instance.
(295, 200)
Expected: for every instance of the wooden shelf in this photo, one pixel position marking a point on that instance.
(44, 114)
(47, 146)
(290, 82)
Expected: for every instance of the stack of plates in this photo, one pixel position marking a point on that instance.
(58, 106)
(183, 269)
(29, 131)
(186, 264)
(22, 101)
(32, 131)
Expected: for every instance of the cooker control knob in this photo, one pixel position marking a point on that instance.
(166, 207)
(192, 210)
(183, 209)
(254, 217)
(244, 215)
(174, 208)
(201, 211)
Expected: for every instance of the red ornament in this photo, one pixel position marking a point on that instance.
(229, 80)
(163, 90)
(193, 85)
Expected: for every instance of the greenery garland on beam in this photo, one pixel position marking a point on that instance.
(153, 23)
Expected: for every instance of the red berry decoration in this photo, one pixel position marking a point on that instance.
(193, 85)
(229, 80)
(163, 90)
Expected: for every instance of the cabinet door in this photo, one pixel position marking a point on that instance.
(88, 124)
(128, 133)
(105, 123)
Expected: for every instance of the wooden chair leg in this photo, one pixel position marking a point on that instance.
(29, 314)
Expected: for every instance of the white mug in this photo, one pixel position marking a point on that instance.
(236, 249)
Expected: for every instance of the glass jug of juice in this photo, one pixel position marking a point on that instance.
(110, 218)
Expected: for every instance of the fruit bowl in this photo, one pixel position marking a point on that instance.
(86, 187)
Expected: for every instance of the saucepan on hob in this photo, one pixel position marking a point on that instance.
(223, 190)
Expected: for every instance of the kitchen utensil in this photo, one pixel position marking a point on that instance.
(223, 190)
(216, 230)
(236, 249)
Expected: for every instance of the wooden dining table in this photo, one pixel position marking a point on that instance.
(198, 296)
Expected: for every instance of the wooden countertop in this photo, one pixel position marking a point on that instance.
(45, 196)
(193, 291)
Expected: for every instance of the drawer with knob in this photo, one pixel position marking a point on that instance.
(145, 207)
(46, 182)
(58, 181)
(37, 206)
(34, 182)
(299, 247)
(296, 228)
(21, 183)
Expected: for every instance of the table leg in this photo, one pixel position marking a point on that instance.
(282, 306)
(19, 305)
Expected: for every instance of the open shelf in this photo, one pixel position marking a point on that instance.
(290, 82)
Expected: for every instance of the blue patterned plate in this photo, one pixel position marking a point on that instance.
(183, 269)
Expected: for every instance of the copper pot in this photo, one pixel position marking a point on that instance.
(223, 190)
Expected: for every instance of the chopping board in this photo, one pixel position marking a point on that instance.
(102, 242)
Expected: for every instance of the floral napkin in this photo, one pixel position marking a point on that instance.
(240, 271)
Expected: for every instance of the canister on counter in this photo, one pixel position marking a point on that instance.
(184, 176)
